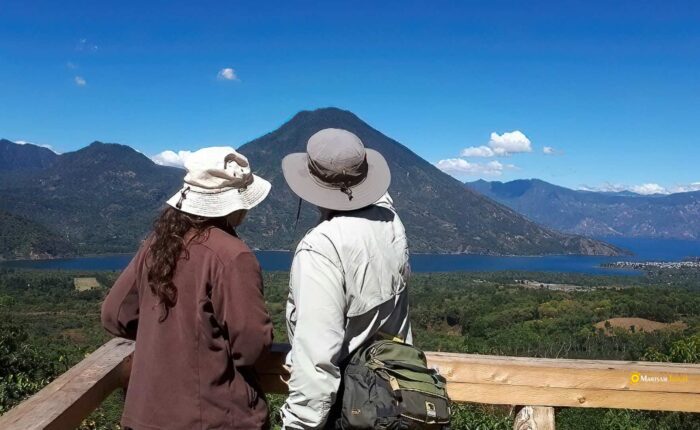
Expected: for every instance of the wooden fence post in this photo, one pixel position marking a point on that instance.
(534, 418)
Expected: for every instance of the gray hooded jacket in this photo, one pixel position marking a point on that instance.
(347, 284)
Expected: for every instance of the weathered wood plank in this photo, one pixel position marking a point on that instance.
(534, 418)
(552, 373)
(561, 362)
(65, 402)
(572, 397)
(572, 383)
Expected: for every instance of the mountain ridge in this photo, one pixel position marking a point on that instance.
(15, 156)
(598, 214)
(434, 220)
(104, 197)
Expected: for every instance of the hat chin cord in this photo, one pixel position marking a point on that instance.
(346, 190)
(183, 196)
(341, 181)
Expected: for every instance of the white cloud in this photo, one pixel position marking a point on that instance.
(71, 65)
(86, 46)
(461, 167)
(500, 145)
(644, 189)
(647, 189)
(510, 143)
(693, 186)
(227, 74)
(607, 187)
(548, 150)
(171, 158)
(80, 81)
(477, 151)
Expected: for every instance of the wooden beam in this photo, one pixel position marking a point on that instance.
(572, 383)
(566, 373)
(69, 399)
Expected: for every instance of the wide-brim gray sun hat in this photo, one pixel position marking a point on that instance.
(219, 182)
(337, 172)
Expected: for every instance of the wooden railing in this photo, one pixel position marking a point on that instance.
(541, 384)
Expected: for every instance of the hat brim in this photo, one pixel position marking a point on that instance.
(296, 173)
(211, 204)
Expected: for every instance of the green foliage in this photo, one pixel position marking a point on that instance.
(480, 417)
(106, 417)
(274, 404)
(25, 366)
(685, 350)
(34, 307)
(489, 313)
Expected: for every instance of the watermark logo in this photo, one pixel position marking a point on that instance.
(636, 378)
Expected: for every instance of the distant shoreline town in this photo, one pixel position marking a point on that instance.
(687, 263)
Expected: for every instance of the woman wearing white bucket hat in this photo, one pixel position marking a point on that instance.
(192, 299)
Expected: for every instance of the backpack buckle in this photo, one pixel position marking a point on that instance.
(394, 383)
(431, 412)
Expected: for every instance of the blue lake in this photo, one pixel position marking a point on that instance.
(644, 250)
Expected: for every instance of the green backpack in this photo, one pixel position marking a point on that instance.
(388, 385)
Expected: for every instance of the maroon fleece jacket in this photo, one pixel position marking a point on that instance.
(194, 370)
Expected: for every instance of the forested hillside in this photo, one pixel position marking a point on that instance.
(104, 197)
(22, 238)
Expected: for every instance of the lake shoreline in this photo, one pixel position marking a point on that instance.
(117, 254)
(280, 260)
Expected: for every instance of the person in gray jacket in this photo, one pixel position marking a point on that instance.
(348, 278)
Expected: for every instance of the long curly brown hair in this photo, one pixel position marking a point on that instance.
(173, 231)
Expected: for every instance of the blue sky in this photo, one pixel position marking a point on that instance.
(613, 88)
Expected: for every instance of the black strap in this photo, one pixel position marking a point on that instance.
(298, 214)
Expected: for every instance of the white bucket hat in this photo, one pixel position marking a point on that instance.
(218, 182)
